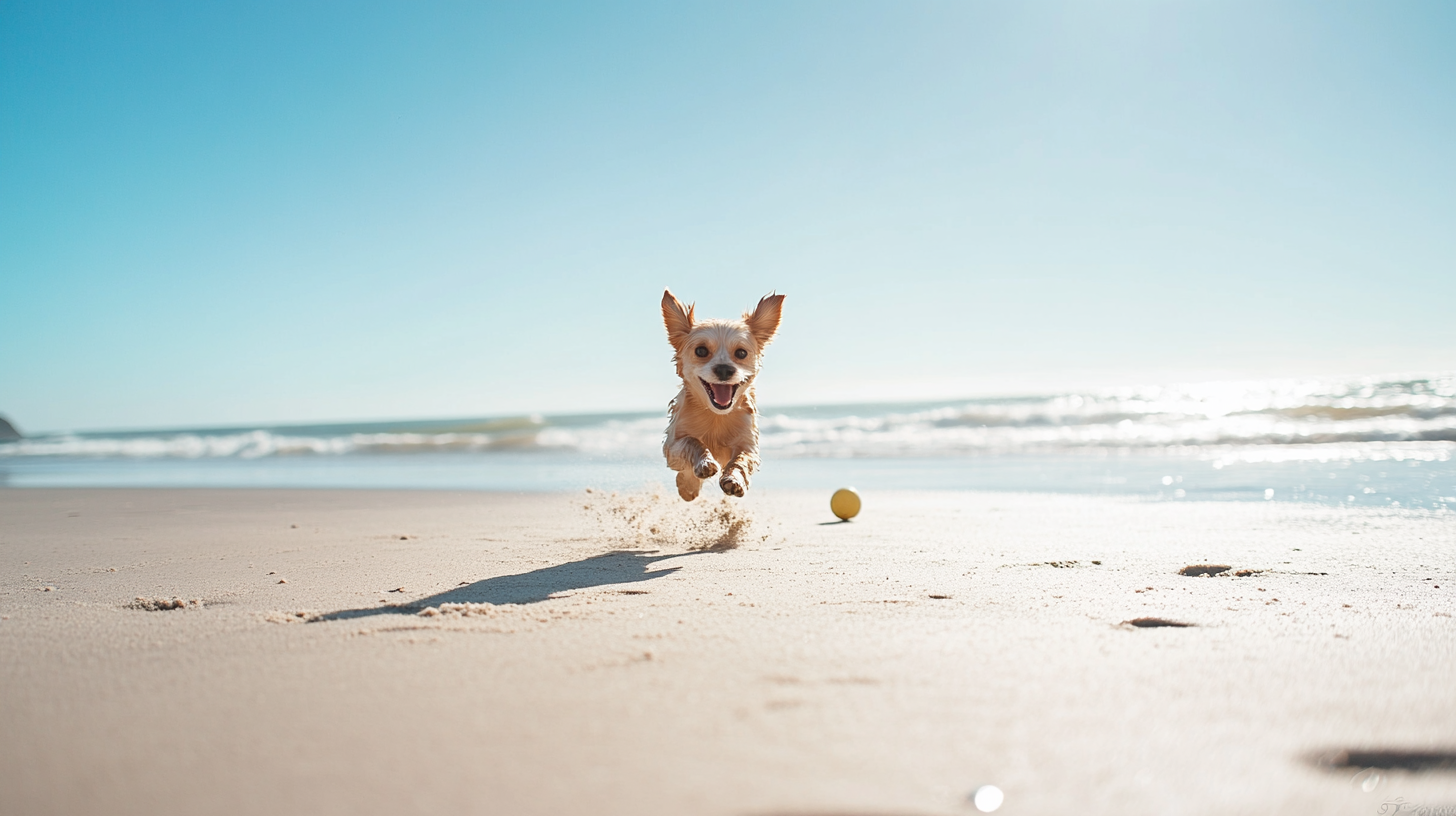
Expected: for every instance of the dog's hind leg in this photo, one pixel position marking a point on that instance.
(688, 485)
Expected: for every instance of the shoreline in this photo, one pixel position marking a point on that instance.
(615, 655)
(1379, 482)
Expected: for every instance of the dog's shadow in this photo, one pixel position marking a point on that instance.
(616, 567)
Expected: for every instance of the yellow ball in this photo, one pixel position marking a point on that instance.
(845, 503)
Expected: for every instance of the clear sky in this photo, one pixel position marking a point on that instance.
(249, 212)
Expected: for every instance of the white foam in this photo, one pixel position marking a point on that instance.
(1360, 419)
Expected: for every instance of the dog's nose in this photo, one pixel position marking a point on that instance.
(724, 371)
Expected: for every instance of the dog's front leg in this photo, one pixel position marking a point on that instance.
(693, 464)
(734, 480)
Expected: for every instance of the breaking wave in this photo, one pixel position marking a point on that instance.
(1265, 420)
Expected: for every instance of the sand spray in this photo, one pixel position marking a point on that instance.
(654, 517)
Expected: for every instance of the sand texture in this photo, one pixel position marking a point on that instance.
(244, 652)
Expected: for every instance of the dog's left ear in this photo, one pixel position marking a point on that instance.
(764, 320)
(677, 318)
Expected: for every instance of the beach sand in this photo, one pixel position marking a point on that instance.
(268, 651)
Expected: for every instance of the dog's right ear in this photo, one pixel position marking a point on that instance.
(763, 321)
(679, 321)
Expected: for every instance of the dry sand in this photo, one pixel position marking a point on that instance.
(412, 652)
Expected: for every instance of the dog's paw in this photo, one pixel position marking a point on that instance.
(733, 483)
(706, 468)
(687, 486)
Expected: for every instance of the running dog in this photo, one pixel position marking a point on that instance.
(712, 427)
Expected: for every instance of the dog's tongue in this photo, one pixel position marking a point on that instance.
(722, 392)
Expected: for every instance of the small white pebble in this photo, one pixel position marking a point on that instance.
(987, 798)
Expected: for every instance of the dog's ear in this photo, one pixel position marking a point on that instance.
(763, 321)
(679, 321)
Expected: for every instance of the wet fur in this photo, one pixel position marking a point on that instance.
(703, 441)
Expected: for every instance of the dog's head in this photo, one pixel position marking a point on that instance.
(718, 359)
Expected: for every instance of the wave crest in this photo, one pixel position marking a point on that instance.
(1410, 412)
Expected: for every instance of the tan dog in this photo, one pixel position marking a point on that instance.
(713, 420)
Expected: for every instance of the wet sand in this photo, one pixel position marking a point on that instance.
(234, 651)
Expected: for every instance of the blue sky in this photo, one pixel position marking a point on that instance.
(249, 212)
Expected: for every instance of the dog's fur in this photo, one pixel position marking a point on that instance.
(702, 434)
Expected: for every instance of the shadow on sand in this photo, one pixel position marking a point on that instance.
(616, 567)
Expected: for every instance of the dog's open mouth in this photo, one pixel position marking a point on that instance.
(720, 394)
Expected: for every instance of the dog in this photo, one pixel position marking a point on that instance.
(712, 426)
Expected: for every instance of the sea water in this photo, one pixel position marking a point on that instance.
(1378, 441)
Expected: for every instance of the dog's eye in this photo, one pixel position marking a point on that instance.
(741, 353)
(702, 351)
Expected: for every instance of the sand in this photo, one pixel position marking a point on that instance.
(362, 652)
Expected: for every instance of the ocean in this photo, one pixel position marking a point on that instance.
(1367, 442)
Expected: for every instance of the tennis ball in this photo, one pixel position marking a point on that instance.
(845, 503)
